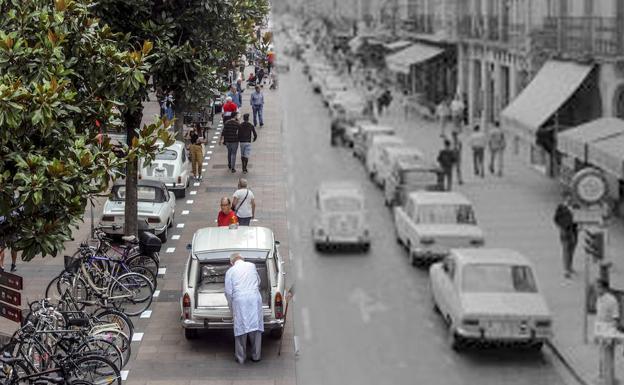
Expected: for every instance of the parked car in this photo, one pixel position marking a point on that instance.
(409, 175)
(364, 136)
(203, 304)
(155, 204)
(429, 224)
(389, 156)
(171, 166)
(490, 295)
(377, 145)
(340, 219)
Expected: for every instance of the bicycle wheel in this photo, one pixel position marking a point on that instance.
(145, 272)
(103, 347)
(78, 289)
(95, 369)
(131, 293)
(120, 340)
(118, 318)
(149, 261)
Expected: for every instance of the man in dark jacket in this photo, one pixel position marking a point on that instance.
(446, 160)
(568, 232)
(245, 131)
(229, 137)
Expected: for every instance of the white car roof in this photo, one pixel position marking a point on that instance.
(485, 255)
(377, 139)
(224, 238)
(404, 150)
(376, 127)
(340, 188)
(438, 197)
(178, 145)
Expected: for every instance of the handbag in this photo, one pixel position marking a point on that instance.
(241, 203)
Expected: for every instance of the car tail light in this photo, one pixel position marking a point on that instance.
(470, 322)
(179, 179)
(153, 220)
(427, 241)
(543, 323)
(186, 306)
(108, 218)
(279, 308)
(477, 242)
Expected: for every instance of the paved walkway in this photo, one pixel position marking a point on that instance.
(516, 212)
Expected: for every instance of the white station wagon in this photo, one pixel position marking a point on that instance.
(340, 220)
(490, 295)
(203, 304)
(155, 204)
(429, 224)
(171, 166)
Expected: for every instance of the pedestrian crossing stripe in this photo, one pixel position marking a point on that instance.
(137, 337)
(175, 237)
(146, 314)
(180, 225)
(170, 250)
(124, 374)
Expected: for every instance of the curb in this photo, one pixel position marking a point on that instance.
(577, 376)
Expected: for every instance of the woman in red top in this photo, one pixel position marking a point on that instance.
(226, 216)
(228, 108)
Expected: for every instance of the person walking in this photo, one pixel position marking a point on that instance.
(496, 143)
(242, 291)
(244, 203)
(226, 216)
(607, 307)
(197, 155)
(257, 106)
(442, 114)
(229, 107)
(229, 137)
(260, 75)
(239, 90)
(568, 233)
(457, 113)
(13, 259)
(245, 131)
(446, 160)
(270, 61)
(234, 94)
(456, 146)
(477, 143)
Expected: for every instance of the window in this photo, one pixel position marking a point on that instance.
(144, 193)
(446, 214)
(498, 278)
(342, 204)
(183, 156)
(449, 268)
(167, 154)
(204, 256)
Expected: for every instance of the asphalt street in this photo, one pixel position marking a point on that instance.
(368, 318)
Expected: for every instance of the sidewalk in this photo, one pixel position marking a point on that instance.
(516, 212)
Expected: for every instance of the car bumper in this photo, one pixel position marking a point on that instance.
(175, 186)
(481, 335)
(430, 254)
(120, 231)
(269, 324)
(346, 241)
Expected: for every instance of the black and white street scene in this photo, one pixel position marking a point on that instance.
(336, 192)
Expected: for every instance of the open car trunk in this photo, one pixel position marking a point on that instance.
(211, 284)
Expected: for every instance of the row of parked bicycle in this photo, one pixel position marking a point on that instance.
(81, 333)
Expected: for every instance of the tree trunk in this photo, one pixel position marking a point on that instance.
(133, 121)
(178, 127)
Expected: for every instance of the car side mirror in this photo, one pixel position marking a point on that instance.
(189, 246)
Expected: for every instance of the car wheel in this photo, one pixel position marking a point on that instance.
(190, 334)
(456, 341)
(276, 334)
(164, 234)
(366, 247)
(536, 346)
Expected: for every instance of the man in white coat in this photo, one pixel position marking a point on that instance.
(242, 290)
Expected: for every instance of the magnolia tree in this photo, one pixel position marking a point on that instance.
(61, 76)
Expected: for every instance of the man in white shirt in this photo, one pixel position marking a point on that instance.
(607, 307)
(242, 291)
(244, 203)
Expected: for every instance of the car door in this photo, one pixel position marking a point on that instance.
(170, 205)
(184, 167)
(446, 286)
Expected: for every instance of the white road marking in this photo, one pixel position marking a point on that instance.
(180, 225)
(175, 237)
(367, 304)
(189, 202)
(124, 374)
(208, 152)
(156, 293)
(203, 170)
(146, 314)
(170, 250)
(196, 184)
(185, 212)
(193, 192)
(137, 337)
(296, 343)
(300, 269)
(213, 141)
(215, 137)
(205, 164)
(162, 270)
(207, 158)
(305, 317)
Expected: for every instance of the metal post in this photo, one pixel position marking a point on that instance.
(585, 304)
(92, 224)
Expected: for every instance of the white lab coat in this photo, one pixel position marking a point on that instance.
(242, 290)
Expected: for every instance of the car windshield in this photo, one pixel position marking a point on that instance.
(446, 214)
(225, 254)
(498, 278)
(145, 193)
(167, 154)
(341, 204)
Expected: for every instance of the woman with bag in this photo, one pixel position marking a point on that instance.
(244, 203)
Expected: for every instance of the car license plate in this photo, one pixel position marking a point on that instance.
(499, 329)
(159, 173)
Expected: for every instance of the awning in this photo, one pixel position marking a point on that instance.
(401, 61)
(609, 155)
(397, 45)
(575, 141)
(553, 85)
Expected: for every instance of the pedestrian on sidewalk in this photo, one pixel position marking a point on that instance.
(13, 259)
(456, 146)
(257, 106)
(226, 216)
(497, 144)
(229, 108)
(405, 103)
(197, 155)
(229, 137)
(446, 160)
(607, 307)
(457, 113)
(568, 232)
(244, 203)
(245, 131)
(260, 75)
(239, 90)
(242, 291)
(477, 143)
(442, 115)
(233, 93)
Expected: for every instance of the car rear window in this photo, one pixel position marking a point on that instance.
(446, 214)
(145, 194)
(204, 256)
(341, 204)
(498, 278)
(167, 154)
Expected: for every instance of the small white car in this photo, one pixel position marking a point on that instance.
(364, 136)
(341, 220)
(490, 295)
(388, 158)
(377, 145)
(171, 166)
(155, 204)
(429, 224)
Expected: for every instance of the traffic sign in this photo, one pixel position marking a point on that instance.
(10, 312)
(589, 186)
(11, 297)
(11, 280)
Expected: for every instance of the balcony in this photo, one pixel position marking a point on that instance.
(419, 23)
(582, 36)
(490, 30)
